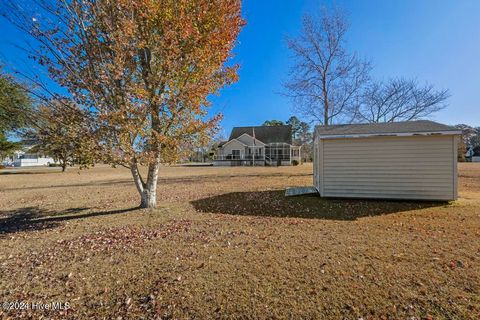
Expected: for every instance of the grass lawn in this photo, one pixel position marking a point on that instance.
(226, 243)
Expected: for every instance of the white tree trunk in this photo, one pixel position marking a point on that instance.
(148, 190)
(148, 199)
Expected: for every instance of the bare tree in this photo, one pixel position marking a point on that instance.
(305, 139)
(470, 140)
(325, 81)
(470, 135)
(400, 100)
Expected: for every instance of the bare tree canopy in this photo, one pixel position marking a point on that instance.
(325, 80)
(470, 135)
(400, 100)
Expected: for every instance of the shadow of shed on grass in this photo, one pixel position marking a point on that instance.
(275, 204)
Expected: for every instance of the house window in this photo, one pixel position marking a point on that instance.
(236, 154)
(294, 153)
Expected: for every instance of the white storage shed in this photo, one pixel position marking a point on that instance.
(397, 160)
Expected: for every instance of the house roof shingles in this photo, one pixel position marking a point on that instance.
(266, 134)
(419, 126)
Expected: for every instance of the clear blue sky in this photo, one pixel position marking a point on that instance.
(432, 40)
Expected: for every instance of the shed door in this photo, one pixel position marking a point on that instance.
(417, 167)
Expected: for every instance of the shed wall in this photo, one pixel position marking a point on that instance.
(415, 167)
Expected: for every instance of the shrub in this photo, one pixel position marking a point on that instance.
(295, 162)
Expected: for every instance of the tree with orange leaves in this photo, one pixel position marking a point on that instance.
(64, 132)
(144, 68)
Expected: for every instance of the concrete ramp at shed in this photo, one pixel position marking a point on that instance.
(300, 191)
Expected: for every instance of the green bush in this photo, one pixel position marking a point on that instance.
(295, 162)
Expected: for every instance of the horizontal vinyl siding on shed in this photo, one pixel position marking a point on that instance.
(415, 167)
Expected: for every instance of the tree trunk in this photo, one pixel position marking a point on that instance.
(326, 107)
(148, 190)
(148, 199)
(64, 165)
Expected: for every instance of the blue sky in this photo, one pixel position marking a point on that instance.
(432, 40)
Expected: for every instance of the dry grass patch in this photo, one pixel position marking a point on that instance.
(225, 243)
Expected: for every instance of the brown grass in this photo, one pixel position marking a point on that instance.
(226, 243)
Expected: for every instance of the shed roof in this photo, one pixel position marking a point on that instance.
(386, 128)
(266, 134)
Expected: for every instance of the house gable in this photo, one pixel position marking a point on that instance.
(248, 140)
(233, 144)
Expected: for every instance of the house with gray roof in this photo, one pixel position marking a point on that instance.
(259, 146)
